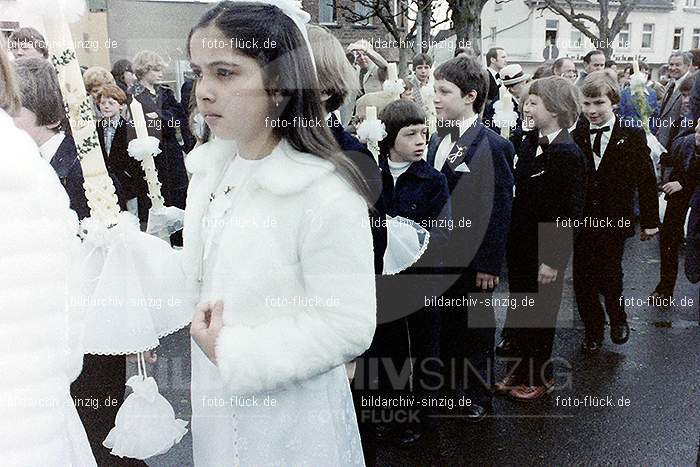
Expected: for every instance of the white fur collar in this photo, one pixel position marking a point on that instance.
(284, 171)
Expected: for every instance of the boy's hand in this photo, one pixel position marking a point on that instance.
(486, 281)
(546, 275)
(671, 187)
(206, 325)
(646, 234)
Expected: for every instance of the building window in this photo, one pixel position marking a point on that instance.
(576, 39)
(363, 10)
(623, 37)
(550, 33)
(677, 38)
(493, 34)
(327, 12)
(696, 39)
(647, 36)
(6, 27)
(692, 3)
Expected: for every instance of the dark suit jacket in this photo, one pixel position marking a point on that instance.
(493, 88)
(364, 160)
(692, 258)
(120, 165)
(626, 167)
(669, 115)
(67, 166)
(549, 189)
(421, 194)
(483, 196)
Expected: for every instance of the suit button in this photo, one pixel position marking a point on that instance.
(413, 207)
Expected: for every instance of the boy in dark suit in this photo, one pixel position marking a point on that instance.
(619, 164)
(42, 116)
(475, 161)
(549, 193)
(114, 142)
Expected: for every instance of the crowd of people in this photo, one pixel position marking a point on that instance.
(569, 177)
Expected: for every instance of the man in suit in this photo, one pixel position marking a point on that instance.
(475, 161)
(690, 145)
(592, 61)
(42, 117)
(496, 60)
(619, 165)
(670, 112)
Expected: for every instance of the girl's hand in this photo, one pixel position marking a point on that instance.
(546, 274)
(149, 355)
(206, 325)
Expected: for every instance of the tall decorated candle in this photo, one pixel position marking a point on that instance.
(147, 163)
(99, 189)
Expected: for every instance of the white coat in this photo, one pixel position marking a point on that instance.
(293, 264)
(40, 351)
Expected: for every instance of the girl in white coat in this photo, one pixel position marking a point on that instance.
(278, 248)
(40, 351)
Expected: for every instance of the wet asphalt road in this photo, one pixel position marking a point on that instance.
(657, 373)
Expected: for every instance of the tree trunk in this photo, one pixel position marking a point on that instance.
(466, 20)
(405, 55)
(425, 31)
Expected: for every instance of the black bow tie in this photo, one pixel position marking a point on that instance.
(598, 132)
(497, 76)
(543, 142)
(452, 130)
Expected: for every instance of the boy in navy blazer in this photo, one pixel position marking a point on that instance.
(475, 161)
(619, 164)
(42, 116)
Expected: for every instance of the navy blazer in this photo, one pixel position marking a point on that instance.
(67, 166)
(626, 168)
(364, 160)
(685, 150)
(420, 194)
(481, 200)
(120, 166)
(549, 190)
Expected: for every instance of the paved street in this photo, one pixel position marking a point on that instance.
(658, 371)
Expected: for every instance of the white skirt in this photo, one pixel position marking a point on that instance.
(309, 423)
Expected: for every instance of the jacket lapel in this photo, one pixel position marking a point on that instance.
(461, 148)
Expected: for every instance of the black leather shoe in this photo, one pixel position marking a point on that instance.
(591, 345)
(505, 347)
(620, 333)
(476, 413)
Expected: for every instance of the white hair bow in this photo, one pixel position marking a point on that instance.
(293, 11)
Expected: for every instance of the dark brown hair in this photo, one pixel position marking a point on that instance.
(468, 75)
(281, 52)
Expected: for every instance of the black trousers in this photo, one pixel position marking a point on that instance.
(467, 335)
(98, 393)
(532, 327)
(670, 240)
(598, 270)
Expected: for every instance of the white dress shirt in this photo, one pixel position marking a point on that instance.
(446, 144)
(550, 137)
(50, 147)
(603, 141)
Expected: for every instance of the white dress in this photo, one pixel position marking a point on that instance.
(279, 395)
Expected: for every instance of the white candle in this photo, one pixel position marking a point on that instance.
(371, 113)
(139, 119)
(635, 66)
(393, 73)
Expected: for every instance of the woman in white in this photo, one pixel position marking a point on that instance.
(39, 339)
(278, 248)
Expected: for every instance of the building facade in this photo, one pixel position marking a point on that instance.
(333, 15)
(653, 30)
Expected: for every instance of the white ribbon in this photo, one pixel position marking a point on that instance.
(293, 11)
(371, 130)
